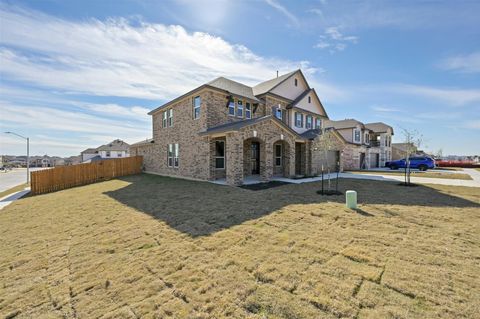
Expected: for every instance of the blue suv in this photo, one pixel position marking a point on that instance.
(421, 162)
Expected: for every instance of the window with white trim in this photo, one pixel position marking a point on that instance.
(170, 118)
(172, 155)
(308, 122)
(279, 113)
(367, 138)
(107, 153)
(356, 135)
(298, 119)
(219, 154)
(239, 108)
(164, 119)
(196, 107)
(248, 110)
(278, 154)
(231, 107)
(318, 123)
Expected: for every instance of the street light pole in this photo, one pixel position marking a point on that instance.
(28, 153)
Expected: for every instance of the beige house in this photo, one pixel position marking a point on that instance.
(227, 130)
(367, 145)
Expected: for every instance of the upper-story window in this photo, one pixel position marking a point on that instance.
(296, 82)
(239, 108)
(164, 119)
(308, 122)
(298, 119)
(309, 99)
(367, 138)
(318, 123)
(279, 113)
(196, 107)
(356, 136)
(107, 154)
(231, 107)
(170, 117)
(248, 110)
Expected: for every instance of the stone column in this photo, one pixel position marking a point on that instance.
(291, 160)
(266, 160)
(234, 158)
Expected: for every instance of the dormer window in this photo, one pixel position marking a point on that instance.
(296, 82)
(279, 113)
(356, 135)
(231, 107)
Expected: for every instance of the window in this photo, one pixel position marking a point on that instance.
(278, 155)
(170, 117)
(231, 107)
(308, 122)
(164, 119)
(196, 107)
(296, 82)
(219, 154)
(309, 99)
(239, 108)
(172, 155)
(119, 154)
(357, 135)
(279, 113)
(248, 111)
(298, 119)
(367, 138)
(107, 154)
(318, 123)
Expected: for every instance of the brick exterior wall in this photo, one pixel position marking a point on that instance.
(327, 159)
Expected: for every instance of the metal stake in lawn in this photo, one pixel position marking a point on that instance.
(322, 179)
(336, 182)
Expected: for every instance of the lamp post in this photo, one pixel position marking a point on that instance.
(28, 153)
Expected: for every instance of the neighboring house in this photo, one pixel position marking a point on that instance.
(114, 149)
(367, 145)
(227, 130)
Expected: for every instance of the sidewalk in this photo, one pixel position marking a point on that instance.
(7, 200)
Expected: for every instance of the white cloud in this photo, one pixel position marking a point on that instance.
(334, 40)
(469, 63)
(451, 96)
(293, 19)
(475, 124)
(383, 108)
(150, 61)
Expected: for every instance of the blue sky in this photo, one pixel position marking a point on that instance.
(79, 74)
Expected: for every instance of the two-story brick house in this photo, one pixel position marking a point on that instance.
(367, 145)
(227, 130)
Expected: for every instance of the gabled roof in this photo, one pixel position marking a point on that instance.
(116, 145)
(378, 127)
(269, 85)
(233, 87)
(148, 141)
(235, 126)
(344, 124)
(314, 133)
(302, 96)
(89, 151)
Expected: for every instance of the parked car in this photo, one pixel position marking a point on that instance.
(421, 162)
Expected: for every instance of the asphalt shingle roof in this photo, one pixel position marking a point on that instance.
(378, 127)
(266, 86)
(116, 145)
(233, 87)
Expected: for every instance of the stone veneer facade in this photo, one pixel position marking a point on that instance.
(197, 147)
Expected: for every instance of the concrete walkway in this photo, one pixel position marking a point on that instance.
(475, 182)
(7, 200)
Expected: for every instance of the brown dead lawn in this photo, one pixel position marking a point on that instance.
(153, 247)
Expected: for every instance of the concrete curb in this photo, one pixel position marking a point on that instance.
(7, 200)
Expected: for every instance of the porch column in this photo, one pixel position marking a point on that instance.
(291, 160)
(234, 158)
(266, 161)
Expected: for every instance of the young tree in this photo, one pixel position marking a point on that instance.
(326, 143)
(413, 140)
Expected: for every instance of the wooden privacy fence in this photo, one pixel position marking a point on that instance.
(63, 177)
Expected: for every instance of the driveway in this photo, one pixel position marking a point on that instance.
(475, 175)
(14, 177)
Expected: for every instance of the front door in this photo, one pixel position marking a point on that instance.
(377, 160)
(255, 160)
(362, 160)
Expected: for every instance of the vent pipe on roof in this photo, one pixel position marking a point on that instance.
(277, 73)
